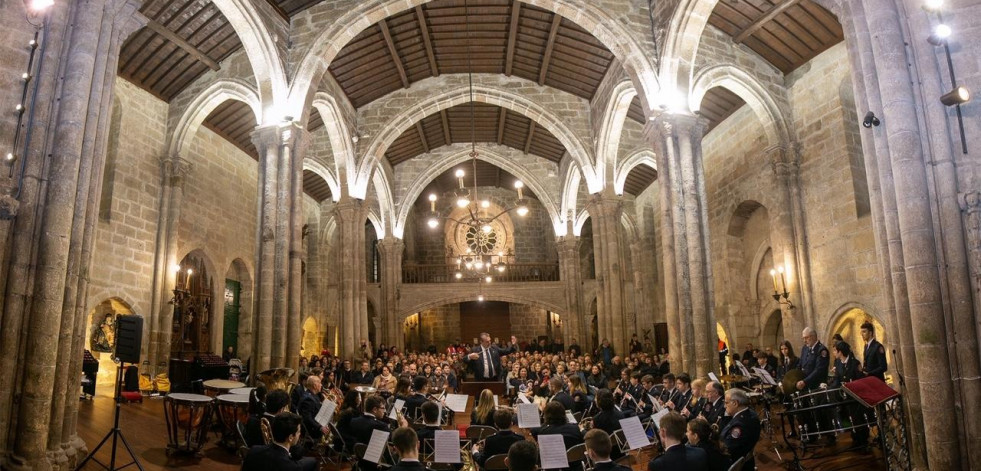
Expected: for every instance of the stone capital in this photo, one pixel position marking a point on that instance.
(287, 134)
(568, 244)
(391, 246)
(785, 170)
(671, 125)
(126, 16)
(174, 170)
(349, 210)
(605, 204)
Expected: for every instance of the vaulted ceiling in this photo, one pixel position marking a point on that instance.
(488, 175)
(186, 38)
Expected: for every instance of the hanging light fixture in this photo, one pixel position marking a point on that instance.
(480, 262)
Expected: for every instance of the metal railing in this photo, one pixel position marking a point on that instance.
(515, 272)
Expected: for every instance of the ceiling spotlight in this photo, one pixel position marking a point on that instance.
(870, 120)
(940, 34)
(957, 96)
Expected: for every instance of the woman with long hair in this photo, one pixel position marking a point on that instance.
(697, 401)
(787, 361)
(580, 396)
(483, 413)
(705, 436)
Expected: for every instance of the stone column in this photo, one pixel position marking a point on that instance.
(570, 272)
(279, 246)
(605, 210)
(51, 244)
(173, 172)
(350, 214)
(789, 244)
(391, 250)
(686, 241)
(640, 251)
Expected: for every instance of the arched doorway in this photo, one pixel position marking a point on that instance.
(720, 332)
(772, 331)
(312, 343)
(100, 341)
(849, 324)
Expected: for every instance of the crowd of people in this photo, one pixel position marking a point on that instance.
(705, 426)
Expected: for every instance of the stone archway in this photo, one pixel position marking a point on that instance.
(848, 323)
(100, 340)
(772, 333)
(313, 338)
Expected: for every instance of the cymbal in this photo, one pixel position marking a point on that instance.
(734, 378)
(789, 383)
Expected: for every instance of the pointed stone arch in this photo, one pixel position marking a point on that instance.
(611, 127)
(750, 90)
(203, 104)
(323, 172)
(642, 157)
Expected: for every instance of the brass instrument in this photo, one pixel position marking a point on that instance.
(276, 378)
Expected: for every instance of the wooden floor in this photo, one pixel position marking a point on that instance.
(144, 428)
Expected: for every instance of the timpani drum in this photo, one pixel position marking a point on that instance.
(188, 417)
(243, 391)
(217, 387)
(232, 409)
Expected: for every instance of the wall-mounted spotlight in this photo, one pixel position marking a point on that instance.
(957, 96)
(870, 120)
(940, 34)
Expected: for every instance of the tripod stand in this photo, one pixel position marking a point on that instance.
(115, 433)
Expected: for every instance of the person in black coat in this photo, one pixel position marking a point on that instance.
(715, 403)
(847, 369)
(364, 376)
(286, 432)
(308, 408)
(598, 449)
(608, 418)
(407, 445)
(700, 435)
(485, 359)
(556, 424)
(420, 388)
(557, 394)
(875, 353)
(430, 421)
(814, 360)
(500, 442)
(676, 456)
(743, 430)
(373, 419)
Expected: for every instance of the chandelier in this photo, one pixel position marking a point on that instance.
(480, 262)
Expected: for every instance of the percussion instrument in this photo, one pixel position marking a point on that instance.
(790, 379)
(245, 391)
(734, 378)
(829, 411)
(364, 390)
(232, 408)
(216, 387)
(276, 378)
(188, 417)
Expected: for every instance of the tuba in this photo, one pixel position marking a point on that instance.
(276, 378)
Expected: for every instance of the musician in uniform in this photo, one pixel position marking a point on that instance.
(407, 444)
(556, 387)
(309, 406)
(608, 417)
(683, 396)
(420, 388)
(814, 360)
(743, 430)
(430, 421)
(847, 369)
(677, 456)
(500, 442)
(286, 432)
(714, 407)
(875, 353)
(598, 449)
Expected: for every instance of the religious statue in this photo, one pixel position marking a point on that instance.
(104, 337)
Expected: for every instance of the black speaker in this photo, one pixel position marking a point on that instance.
(129, 338)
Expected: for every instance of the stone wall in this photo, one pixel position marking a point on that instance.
(527, 322)
(440, 325)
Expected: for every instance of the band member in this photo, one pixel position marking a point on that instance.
(743, 430)
(485, 359)
(406, 443)
(309, 406)
(683, 396)
(788, 360)
(556, 387)
(373, 419)
(598, 449)
(847, 368)
(677, 456)
(670, 391)
(814, 359)
(763, 362)
(420, 388)
(875, 353)
(286, 432)
(715, 403)
(500, 442)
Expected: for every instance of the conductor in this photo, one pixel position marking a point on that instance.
(485, 359)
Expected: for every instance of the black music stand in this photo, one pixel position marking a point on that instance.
(115, 433)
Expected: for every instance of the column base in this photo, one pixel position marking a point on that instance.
(17, 463)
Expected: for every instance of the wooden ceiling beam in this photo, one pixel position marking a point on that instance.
(421, 17)
(383, 25)
(446, 126)
(422, 137)
(556, 22)
(500, 125)
(531, 135)
(766, 18)
(180, 42)
(512, 36)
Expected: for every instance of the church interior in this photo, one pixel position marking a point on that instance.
(282, 179)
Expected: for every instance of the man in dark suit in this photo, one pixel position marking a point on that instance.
(558, 394)
(286, 432)
(485, 359)
(309, 406)
(715, 403)
(363, 376)
(556, 424)
(875, 353)
(743, 430)
(598, 448)
(676, 456)
(683, 395)
(420, 387)
(373, 419)
(500, 442)
(814, 359)
(430, 421)
(407, 444)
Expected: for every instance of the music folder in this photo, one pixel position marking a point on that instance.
(325, 413)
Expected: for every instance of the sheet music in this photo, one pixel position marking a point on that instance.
(571, 418)
(325, 413)
(496, 401)
(656, 403)
(528, 416)
(376, 445)
(457, 402)
(713, 377)
(551, 449)
(767, 379)
(656, 418)
(523, 398)
(447, 447)
(399, 404)
(634, 432)
(743, 369)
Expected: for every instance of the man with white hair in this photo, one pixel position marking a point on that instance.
(743, 430)
(814, 360)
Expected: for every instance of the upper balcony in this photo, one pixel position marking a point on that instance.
(516, 272)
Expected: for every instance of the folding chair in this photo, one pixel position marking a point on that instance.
(243, 447)
(576, 457)
(476, 433)
(496, 463)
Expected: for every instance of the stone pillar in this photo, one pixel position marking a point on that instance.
(789, 243)
(643, 264)
(279, 246)
(570, 272)
(686, 241)
(53, 234)
(173, 172)
(391, 250)
(350, 214)
(605, 210)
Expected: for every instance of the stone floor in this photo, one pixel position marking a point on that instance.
(144, 428)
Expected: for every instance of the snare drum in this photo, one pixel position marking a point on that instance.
(232, 408)
(188, 417)
(217, 387)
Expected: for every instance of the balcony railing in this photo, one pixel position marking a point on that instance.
(516, 272)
